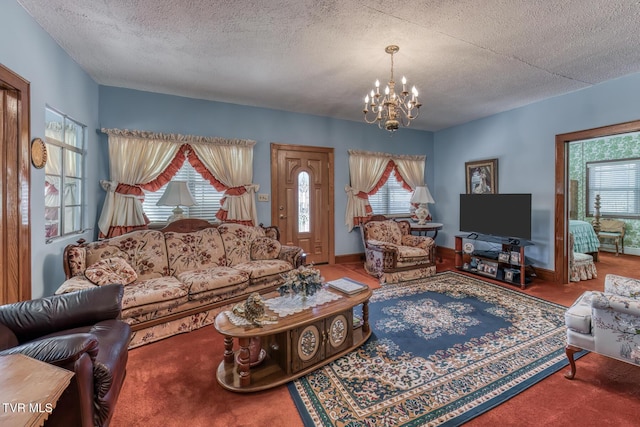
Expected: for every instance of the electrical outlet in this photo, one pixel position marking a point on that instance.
(263, 197)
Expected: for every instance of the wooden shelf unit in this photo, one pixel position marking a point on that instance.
(515, 269)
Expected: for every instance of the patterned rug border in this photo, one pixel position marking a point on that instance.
(550, 366)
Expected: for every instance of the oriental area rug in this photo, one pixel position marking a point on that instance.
(443, 350)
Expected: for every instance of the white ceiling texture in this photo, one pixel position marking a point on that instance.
(468, 58)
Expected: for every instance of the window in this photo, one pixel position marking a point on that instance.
(618, 183)
(64, 175)
(391, 198)
(206, 197)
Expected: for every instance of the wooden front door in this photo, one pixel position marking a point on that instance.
(15, 236)
(302, 205)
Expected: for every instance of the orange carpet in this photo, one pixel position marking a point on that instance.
(172, 382)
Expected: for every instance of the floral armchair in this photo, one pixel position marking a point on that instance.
(607, 323)
(393, 254)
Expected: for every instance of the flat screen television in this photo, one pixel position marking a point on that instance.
(506, 215)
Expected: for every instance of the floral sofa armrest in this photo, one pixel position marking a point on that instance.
(422, 242)
(616, 303)
(620, 285)
(76, 283)
(293, 254)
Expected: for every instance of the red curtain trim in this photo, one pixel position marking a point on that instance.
(401, 180)
(202, 170)
(385, 176)
(222, 216)
(169, 172)
(129, 189)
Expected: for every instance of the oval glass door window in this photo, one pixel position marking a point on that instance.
(304, 225)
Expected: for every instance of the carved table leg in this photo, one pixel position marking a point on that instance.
(569, 351)
(228, 350)
(243, 362)
(365, 317)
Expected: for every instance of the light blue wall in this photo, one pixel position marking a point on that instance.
(131, 109)
(523, 141)
(57, 81)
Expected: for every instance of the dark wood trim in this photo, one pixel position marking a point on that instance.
(561, 241)
(15, 227)
(349, 258)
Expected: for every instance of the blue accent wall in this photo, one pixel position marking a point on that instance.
(55, 80)
(523, 141)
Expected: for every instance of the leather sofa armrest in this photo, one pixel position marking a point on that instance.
(62, 350)
(35, 318)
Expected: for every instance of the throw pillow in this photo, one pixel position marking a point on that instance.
(265, 248)
(111, 270)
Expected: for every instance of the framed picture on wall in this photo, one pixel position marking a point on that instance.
(482, 176)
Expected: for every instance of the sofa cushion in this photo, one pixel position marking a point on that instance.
(213, 279)
(153, 294)
(144, 250)
(237, 239)
(263, 268)
(265, 248)
(410, 252)
(111, 270)
(578, 316)
(196, 250)
(77, 260)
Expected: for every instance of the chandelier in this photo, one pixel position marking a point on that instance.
(391, 109)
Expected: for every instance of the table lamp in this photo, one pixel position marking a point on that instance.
(422, 196)
(176, 194)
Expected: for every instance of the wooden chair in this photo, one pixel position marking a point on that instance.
(612, 230)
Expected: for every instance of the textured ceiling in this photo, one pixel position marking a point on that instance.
(468, 58)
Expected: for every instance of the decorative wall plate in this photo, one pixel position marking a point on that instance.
(468, 248)
(38, 153)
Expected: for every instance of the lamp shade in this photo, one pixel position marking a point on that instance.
(422, 195)
(176, 194)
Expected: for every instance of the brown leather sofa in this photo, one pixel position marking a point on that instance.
(78, 331)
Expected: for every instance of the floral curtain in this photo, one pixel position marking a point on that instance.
(369, 171)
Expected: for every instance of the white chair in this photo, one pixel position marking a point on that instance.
(607, 323)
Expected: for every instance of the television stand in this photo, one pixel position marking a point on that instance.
(508, 264)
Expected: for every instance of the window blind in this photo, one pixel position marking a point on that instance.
(206, 197)
(618, 183)
(391, 198)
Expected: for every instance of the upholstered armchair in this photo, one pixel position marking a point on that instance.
(80, 332)
(393, 254)
(607, 323)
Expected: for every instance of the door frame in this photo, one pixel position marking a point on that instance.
(561, 246)
(274, 183)
(15, 239)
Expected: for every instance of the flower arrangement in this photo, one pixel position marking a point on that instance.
(305, 281)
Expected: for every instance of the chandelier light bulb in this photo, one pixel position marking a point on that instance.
(386, 90)
(404, 80)
(414, 91)
(377, 83)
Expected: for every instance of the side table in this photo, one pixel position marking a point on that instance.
(424, 229)
(29, 390)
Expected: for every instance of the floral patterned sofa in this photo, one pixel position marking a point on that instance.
(393, 254)
(179, 278)
(607, 323)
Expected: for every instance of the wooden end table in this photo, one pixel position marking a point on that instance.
(29, 390)
(296, 345)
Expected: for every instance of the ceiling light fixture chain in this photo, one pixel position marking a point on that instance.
(391, 109)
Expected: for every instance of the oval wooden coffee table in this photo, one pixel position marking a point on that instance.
(296, 345)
